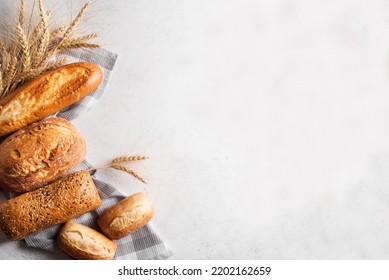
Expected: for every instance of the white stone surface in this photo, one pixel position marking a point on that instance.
(267, 122)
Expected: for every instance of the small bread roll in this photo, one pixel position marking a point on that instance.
(84, 243)
(126, 216)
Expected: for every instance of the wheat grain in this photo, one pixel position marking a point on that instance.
(86, 37)
(122, 159)
(44, 38)
(11, 69)
(56, 32)
(129, 171)
(21, 12)
(23, 43)
(77, 45)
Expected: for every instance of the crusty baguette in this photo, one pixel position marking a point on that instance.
(53, 204)
(39, 154)
(47, 94)
(83, 243)
(127, 216)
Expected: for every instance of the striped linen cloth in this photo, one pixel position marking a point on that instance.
(140, 245)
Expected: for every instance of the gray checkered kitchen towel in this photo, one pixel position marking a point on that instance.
(144, 243)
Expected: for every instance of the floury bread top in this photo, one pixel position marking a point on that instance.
(48, 94)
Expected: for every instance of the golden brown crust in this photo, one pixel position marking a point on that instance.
(39, 154)
(53, 204)
(48, 94)
(84, 243)
(127, 216)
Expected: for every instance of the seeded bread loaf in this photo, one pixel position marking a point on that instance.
(47, 94)
(53, 204)
(83, 243)
(127, 216)
(39, 154)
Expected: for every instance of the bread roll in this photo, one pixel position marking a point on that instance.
(39, 153)
(84, 243)
(126, 216)
(53, 204)
(48, 94)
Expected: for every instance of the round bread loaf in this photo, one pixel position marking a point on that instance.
(128, 215)
(83, 243)
(39, 153)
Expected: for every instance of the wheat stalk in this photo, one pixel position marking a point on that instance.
(57, 32)
(21, 12)
(75, 22)
(77, 45)
(122, 159)
(129, 171)
(24, 44)
(30, 52)
(45, 35)
(116, 163)
(11, 69)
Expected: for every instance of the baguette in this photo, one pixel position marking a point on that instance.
(84, 243)
(53, 204)
(39, 154)
(47, 94)
(127, 216)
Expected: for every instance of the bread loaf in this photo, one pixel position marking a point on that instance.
(84, 243)
(53, 204)
(47, 94)
(39, 153)
(126, 216)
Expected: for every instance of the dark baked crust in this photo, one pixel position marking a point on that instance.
(39, 154)
(53, 204)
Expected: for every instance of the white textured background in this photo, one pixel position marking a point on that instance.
(267, 122)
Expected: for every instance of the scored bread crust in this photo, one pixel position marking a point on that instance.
(83, 243)
(39, 154)
(127, 216)
(48, 94)
(53, 204)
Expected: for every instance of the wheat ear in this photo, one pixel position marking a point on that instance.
(75, 22)
(44, 38)
(24, 45)
(56, 32)
(122, 159)
(77, 45)
(129, 171)
(21, 12)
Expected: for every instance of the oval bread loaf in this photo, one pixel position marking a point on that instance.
(48, 94)
(39, 154)
(127, 216)
(84, 243)
(53, 204)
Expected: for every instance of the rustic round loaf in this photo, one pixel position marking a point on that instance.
(39, 153)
